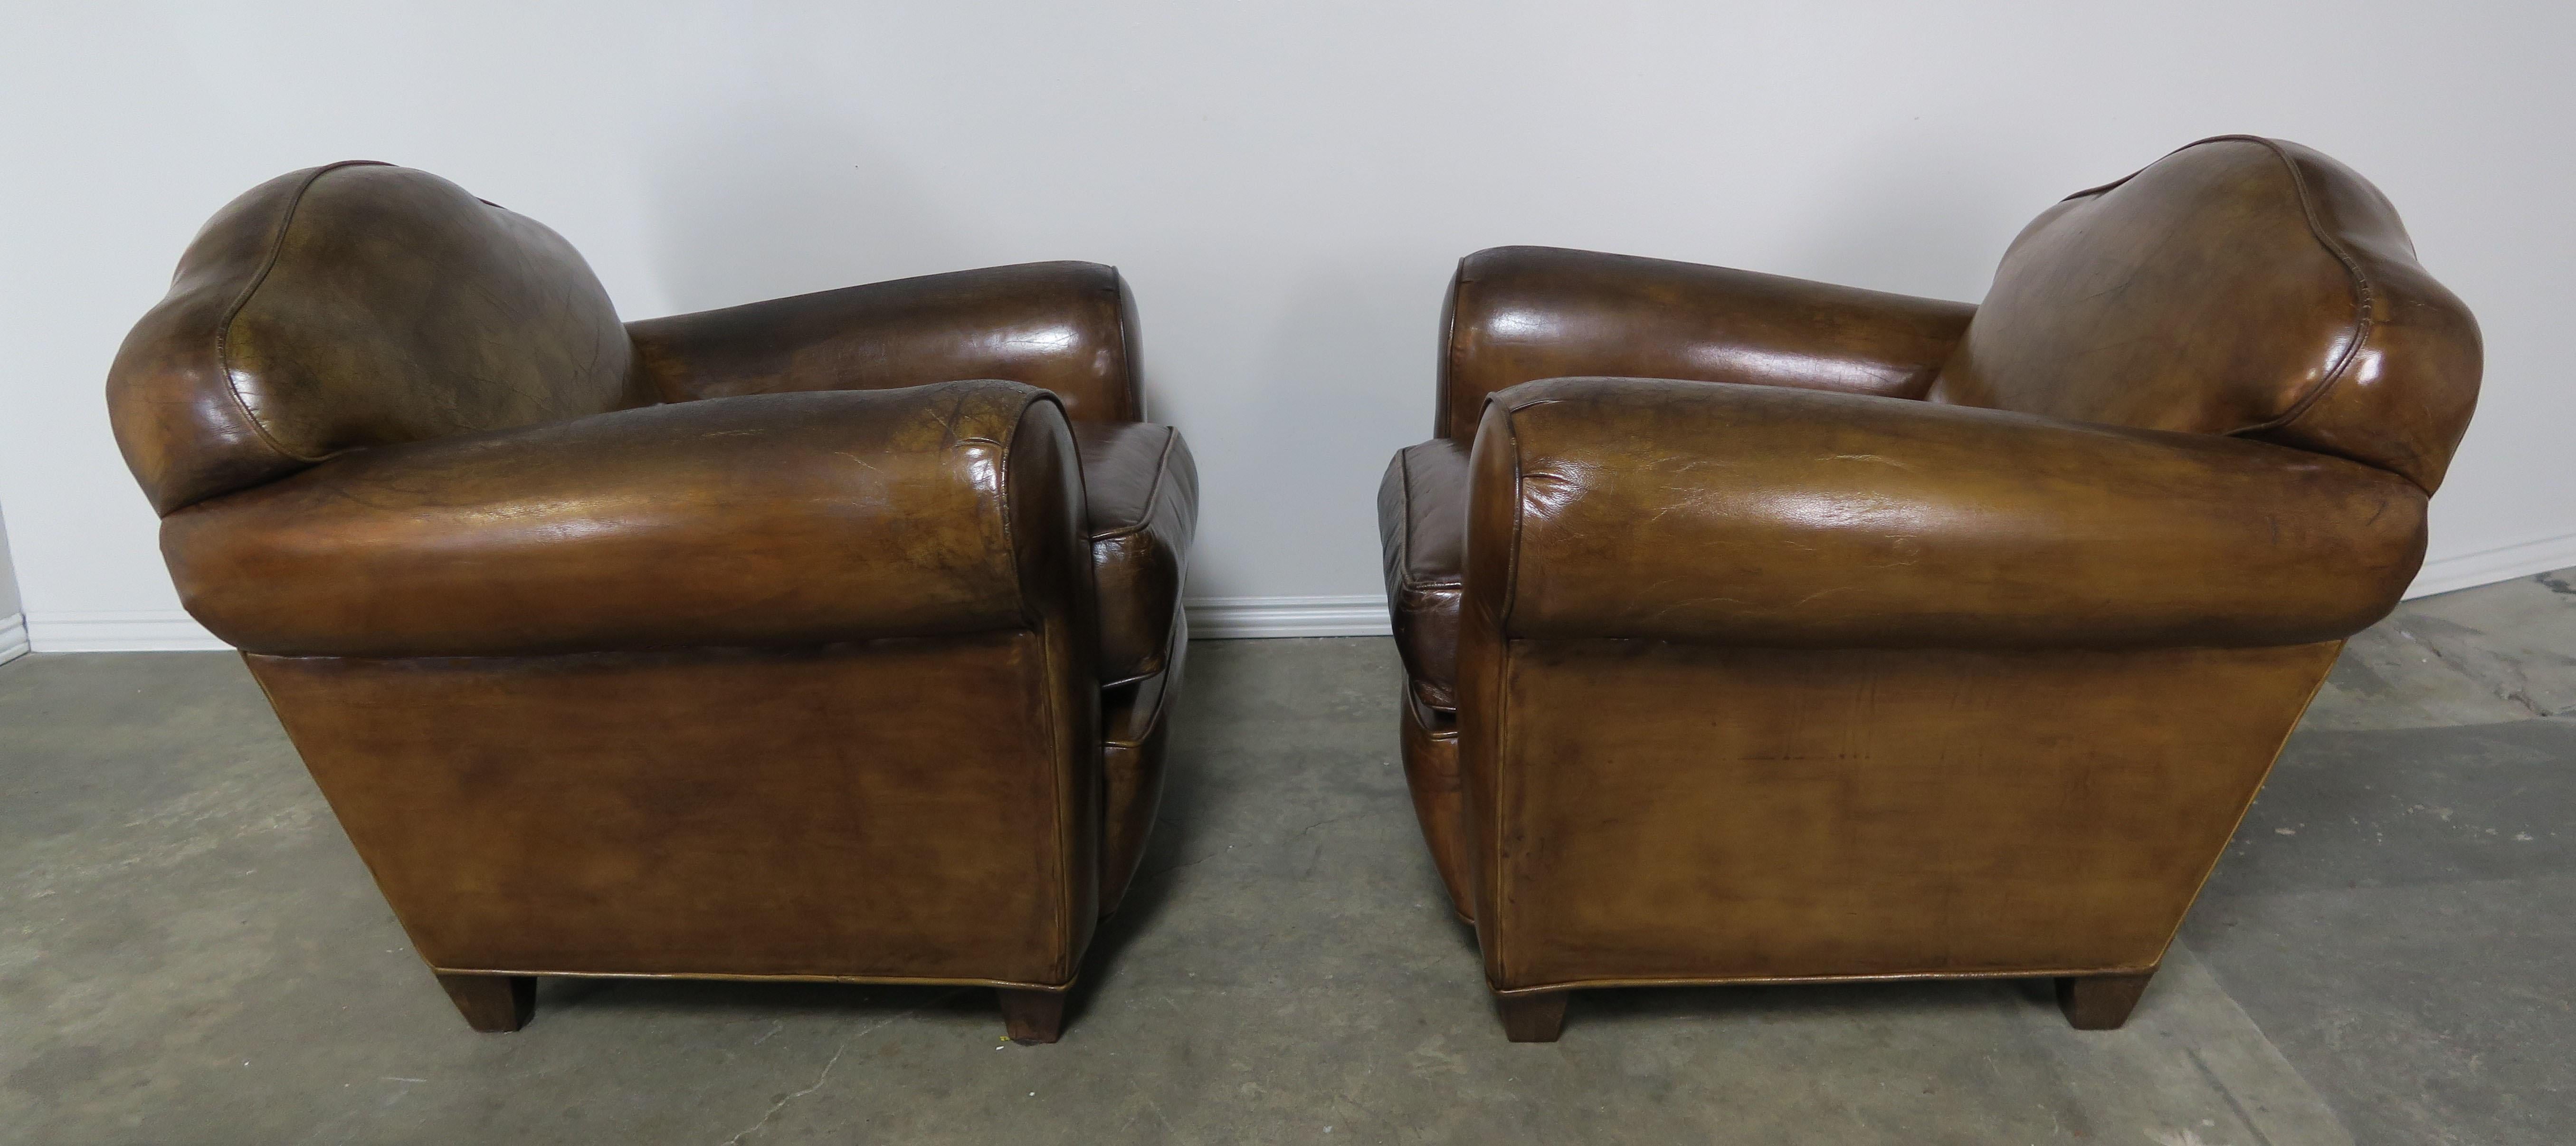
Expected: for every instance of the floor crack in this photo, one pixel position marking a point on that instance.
(1301, 832)
(2465, 668)
(825, 1075)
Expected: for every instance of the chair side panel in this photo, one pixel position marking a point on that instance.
(1675, 813)
(898, 809)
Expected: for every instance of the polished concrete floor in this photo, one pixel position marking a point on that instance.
(191, 953)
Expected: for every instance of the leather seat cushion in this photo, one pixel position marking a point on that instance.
(1422, 526)
(1142, 489)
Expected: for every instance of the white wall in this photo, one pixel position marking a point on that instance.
(1285, 184)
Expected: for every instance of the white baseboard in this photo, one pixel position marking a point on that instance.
(119, 631)
(2502, 563)
(1222, 617)
(13, 637)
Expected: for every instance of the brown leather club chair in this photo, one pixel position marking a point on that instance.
(1776, 631)
(826, 638)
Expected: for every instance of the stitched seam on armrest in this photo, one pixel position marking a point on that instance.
(1162, 704)
(232, 314)
(2365, 298)
(2365, 295)
(1153, 494)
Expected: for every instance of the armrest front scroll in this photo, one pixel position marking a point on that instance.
(1520, 314)
(762, 520)
(1067, 327)
(1753, 515)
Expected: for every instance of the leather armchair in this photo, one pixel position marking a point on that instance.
(826, 638)
(1760, 630)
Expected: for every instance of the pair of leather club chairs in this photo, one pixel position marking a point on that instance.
(1755, 630)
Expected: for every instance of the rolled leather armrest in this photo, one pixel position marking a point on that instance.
(760, 520)
(1519, 314)
(1642, 508)
(1068, 327)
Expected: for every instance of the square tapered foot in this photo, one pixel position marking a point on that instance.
(1032, 1016)
(1536, 1018)
(492, 1004)
(2100, 1002)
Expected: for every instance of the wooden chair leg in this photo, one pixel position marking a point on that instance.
(1536, 1018)
(1032, 1016)
(2100, 1002)
(493, 1004)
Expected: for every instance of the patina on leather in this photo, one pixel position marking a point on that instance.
(2239, 286)
(823, 638)
(1769, 630)
(767, 519)
(1065, 327)
(279, 345)
(1519, 314)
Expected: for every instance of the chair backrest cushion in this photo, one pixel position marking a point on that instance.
(2238, 286)
(357, 305)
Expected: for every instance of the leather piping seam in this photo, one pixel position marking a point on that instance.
(1421, 692)
(1159, 662)
(258, 279)
(786, 977)
(2365, 299)
(1065, 890)
(1440, 412)
(1135, 371)
(1856, 977)
(2365, 295)
(1501, 718)
(1403, 531)
(1152, 667)
(1153, 495)
(1162, 704)
(1180, 557)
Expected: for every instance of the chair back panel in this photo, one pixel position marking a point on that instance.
(357, 305)
(2238, 286)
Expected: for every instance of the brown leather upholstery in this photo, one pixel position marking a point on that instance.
(735, 521)
(1066, 327)
(823, 638)
(272, 351)
(1422, 527)
(1793, 663)
(1144, 496)
(2239, 286)
(1519, 314)
(1830, 515)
